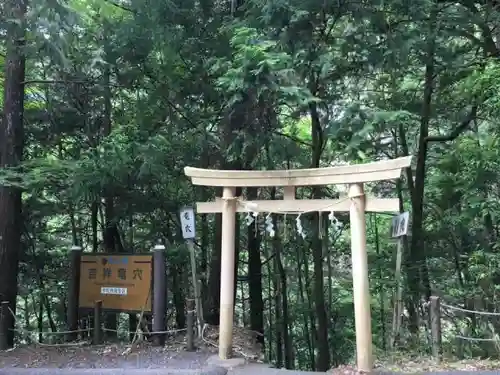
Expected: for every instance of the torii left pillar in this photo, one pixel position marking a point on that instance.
(227, 273)
(360, 282)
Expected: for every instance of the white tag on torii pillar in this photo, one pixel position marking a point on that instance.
(187, 223)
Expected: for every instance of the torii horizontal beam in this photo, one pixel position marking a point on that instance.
(300, 205)
(351, 174)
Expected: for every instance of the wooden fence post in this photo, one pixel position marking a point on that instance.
(4, 315)
(435, 318)
(73, 293)
(97, 323)
(190, 306)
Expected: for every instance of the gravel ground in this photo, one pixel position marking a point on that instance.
(204, 371)
(102, 357)
(451, 373)
(70, 371)
(149, 360)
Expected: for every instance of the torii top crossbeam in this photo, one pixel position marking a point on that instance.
(352, 174)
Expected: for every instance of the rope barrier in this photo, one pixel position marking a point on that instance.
(37, 332)
(148, 333)
(495, 339)
(67, 344)
(27, 331)
(470, 311)
(466, 338)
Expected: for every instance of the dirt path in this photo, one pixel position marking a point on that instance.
(149, 360)
(258, 369)
(73, 371)
(91, 357)
(249, 370)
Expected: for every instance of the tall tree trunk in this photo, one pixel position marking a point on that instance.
(270, 279)
(323, 359)
(44, 298)
(111, 235)
(283, 294)
(48, 309)
(110, 227)
(213, 295)
(418, 274)
(11, 153)
(277, 313)
(311, 313)
(255, 276)
(237, 235)
(178, 295)
(74, 230)
(39, 317)
(307, 329)
(94, 211)
(205, 244)
(382, 299)
(410, 307)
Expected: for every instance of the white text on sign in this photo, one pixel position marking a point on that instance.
(186, 215)
(115, 291)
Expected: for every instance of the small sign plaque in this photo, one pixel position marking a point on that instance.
(121, 282)
(187, 223)
(117, 291)
(399, 225)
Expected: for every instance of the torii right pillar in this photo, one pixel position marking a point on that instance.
(360, 283)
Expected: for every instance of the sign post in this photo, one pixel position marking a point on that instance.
(399, 230)
(188, 226)
(160, 295)
(73, 291)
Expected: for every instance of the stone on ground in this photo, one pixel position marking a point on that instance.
(225, 363)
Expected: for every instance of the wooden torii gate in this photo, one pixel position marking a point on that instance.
(356, 204)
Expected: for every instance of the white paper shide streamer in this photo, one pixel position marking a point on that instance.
(300, 229)
(252, 214)
(335, 222)
(270, 225)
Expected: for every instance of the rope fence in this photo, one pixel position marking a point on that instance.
(101, 328)
(436, 309)
(167, 332)
(487, 313)
(29, 333)
(466, 338)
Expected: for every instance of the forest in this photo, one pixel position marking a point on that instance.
(104, 102)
